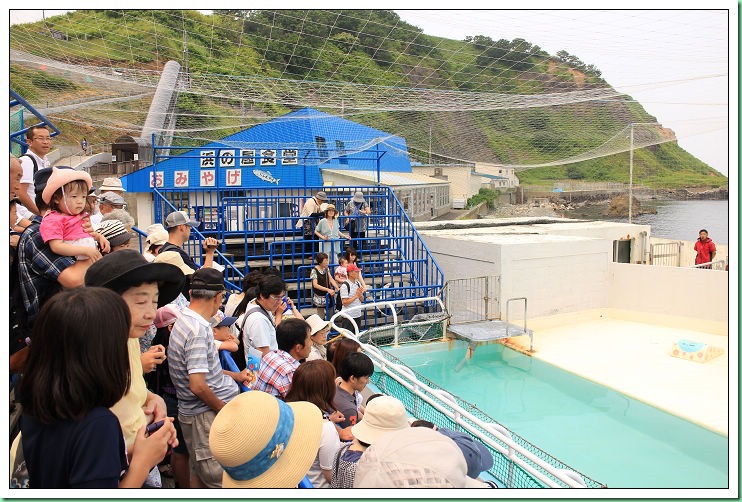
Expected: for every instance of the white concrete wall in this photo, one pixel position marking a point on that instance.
(555, 274)
(673, 291)
(564, 276)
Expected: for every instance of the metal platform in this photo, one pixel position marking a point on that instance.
(487, 331)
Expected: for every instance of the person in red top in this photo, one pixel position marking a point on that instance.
(705, 248)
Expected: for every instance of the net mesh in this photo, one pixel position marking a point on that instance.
(477, 100)
(504, 469)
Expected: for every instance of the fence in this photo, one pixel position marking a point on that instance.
(473, 299)
(257, 228)
(517, 463)
(713, 265)
(666, 253)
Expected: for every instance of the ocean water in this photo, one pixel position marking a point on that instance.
(607, 435)
(675, 219)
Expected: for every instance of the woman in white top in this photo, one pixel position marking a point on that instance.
(314, 381)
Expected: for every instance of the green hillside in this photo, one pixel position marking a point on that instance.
(365, 47)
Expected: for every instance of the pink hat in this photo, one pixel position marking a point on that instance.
(352, 267)
(165, 316)
(60, 177)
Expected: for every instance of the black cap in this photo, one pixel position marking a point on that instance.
(207, 278)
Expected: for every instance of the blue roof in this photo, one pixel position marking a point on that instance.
(288, 151)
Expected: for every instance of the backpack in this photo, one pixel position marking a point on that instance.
(253, 362)
(338, 300)
(35, 165)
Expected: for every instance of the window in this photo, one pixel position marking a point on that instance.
(321, 147)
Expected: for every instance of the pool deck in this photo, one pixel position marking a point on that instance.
(630, 353)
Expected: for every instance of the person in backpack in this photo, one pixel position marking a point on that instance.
(357, 211)
(39, 142)
(322, 283)
(258, 324)
(178, 225)
(352, 294)
(310, 214)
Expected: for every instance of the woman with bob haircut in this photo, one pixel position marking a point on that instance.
(314, 381)
(78, 367)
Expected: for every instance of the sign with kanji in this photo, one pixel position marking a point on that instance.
(208, 178)
(226, 158)
(290, 157)
(157, 179)
(247, 158)
(267, 157)
(208, 158)
(234, 177)
(180, 179)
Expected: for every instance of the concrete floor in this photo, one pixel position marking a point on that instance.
(631, 354)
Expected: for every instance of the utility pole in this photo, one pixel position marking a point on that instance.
(631, 168)
(430, 145)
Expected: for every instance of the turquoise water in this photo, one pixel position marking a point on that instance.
(604, 434)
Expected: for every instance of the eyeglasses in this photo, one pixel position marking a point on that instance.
(44, 139)
(275, 298)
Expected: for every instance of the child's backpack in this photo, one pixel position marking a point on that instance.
(338, 300)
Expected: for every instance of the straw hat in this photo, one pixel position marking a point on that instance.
(383, 414)
(111, 184)
(262, 442)
(173, 258)
(330, 207)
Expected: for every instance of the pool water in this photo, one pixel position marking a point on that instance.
(614, 439)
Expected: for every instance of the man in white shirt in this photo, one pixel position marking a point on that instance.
(352, 295)
(39, 144)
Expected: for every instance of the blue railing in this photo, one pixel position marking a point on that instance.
(18, 137)
(257, 228)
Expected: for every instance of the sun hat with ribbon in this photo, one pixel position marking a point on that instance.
(262, 442)
(60, 177)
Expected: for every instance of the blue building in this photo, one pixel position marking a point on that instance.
(289, 151)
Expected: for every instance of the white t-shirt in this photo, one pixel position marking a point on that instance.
(329, 445)
(27, 177)
(354, 308)
(259, 331)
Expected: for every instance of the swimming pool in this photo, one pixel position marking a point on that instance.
(612, 438)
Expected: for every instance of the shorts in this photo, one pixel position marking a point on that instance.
(172, 411)
(196, 434)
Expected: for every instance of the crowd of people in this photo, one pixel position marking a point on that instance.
(117, 357)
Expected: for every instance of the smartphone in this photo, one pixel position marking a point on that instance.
(154, 426)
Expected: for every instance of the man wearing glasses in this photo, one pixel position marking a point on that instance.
(39, 142)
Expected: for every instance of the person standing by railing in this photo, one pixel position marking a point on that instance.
(328, 230)
(357, 211)
(705, 248)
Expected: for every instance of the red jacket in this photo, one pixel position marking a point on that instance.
(703, 250)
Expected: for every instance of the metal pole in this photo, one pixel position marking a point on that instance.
(631, 168)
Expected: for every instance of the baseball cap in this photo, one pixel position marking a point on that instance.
(207, 278)
(179, 218)
(352, 267)
(166, 316)
(112, 198)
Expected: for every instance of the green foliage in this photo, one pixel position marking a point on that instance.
(484, 195)
(41, 79)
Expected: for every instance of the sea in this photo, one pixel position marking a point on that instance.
(675, 219)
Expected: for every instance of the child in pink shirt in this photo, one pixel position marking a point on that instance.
(66, 193)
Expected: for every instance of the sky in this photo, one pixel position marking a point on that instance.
(675, 62)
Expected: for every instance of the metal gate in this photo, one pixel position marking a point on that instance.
(474, 299)
(666, 253)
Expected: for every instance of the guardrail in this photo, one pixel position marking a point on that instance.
(518, 463)
(713, 265)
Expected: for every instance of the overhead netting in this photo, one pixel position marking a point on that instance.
(501, 101)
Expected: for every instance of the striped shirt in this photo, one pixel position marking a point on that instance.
(192, 350)
(276, 371)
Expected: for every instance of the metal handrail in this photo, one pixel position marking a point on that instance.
(447, 405)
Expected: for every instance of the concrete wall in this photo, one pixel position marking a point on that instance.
(555, 274)
(673, 291)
